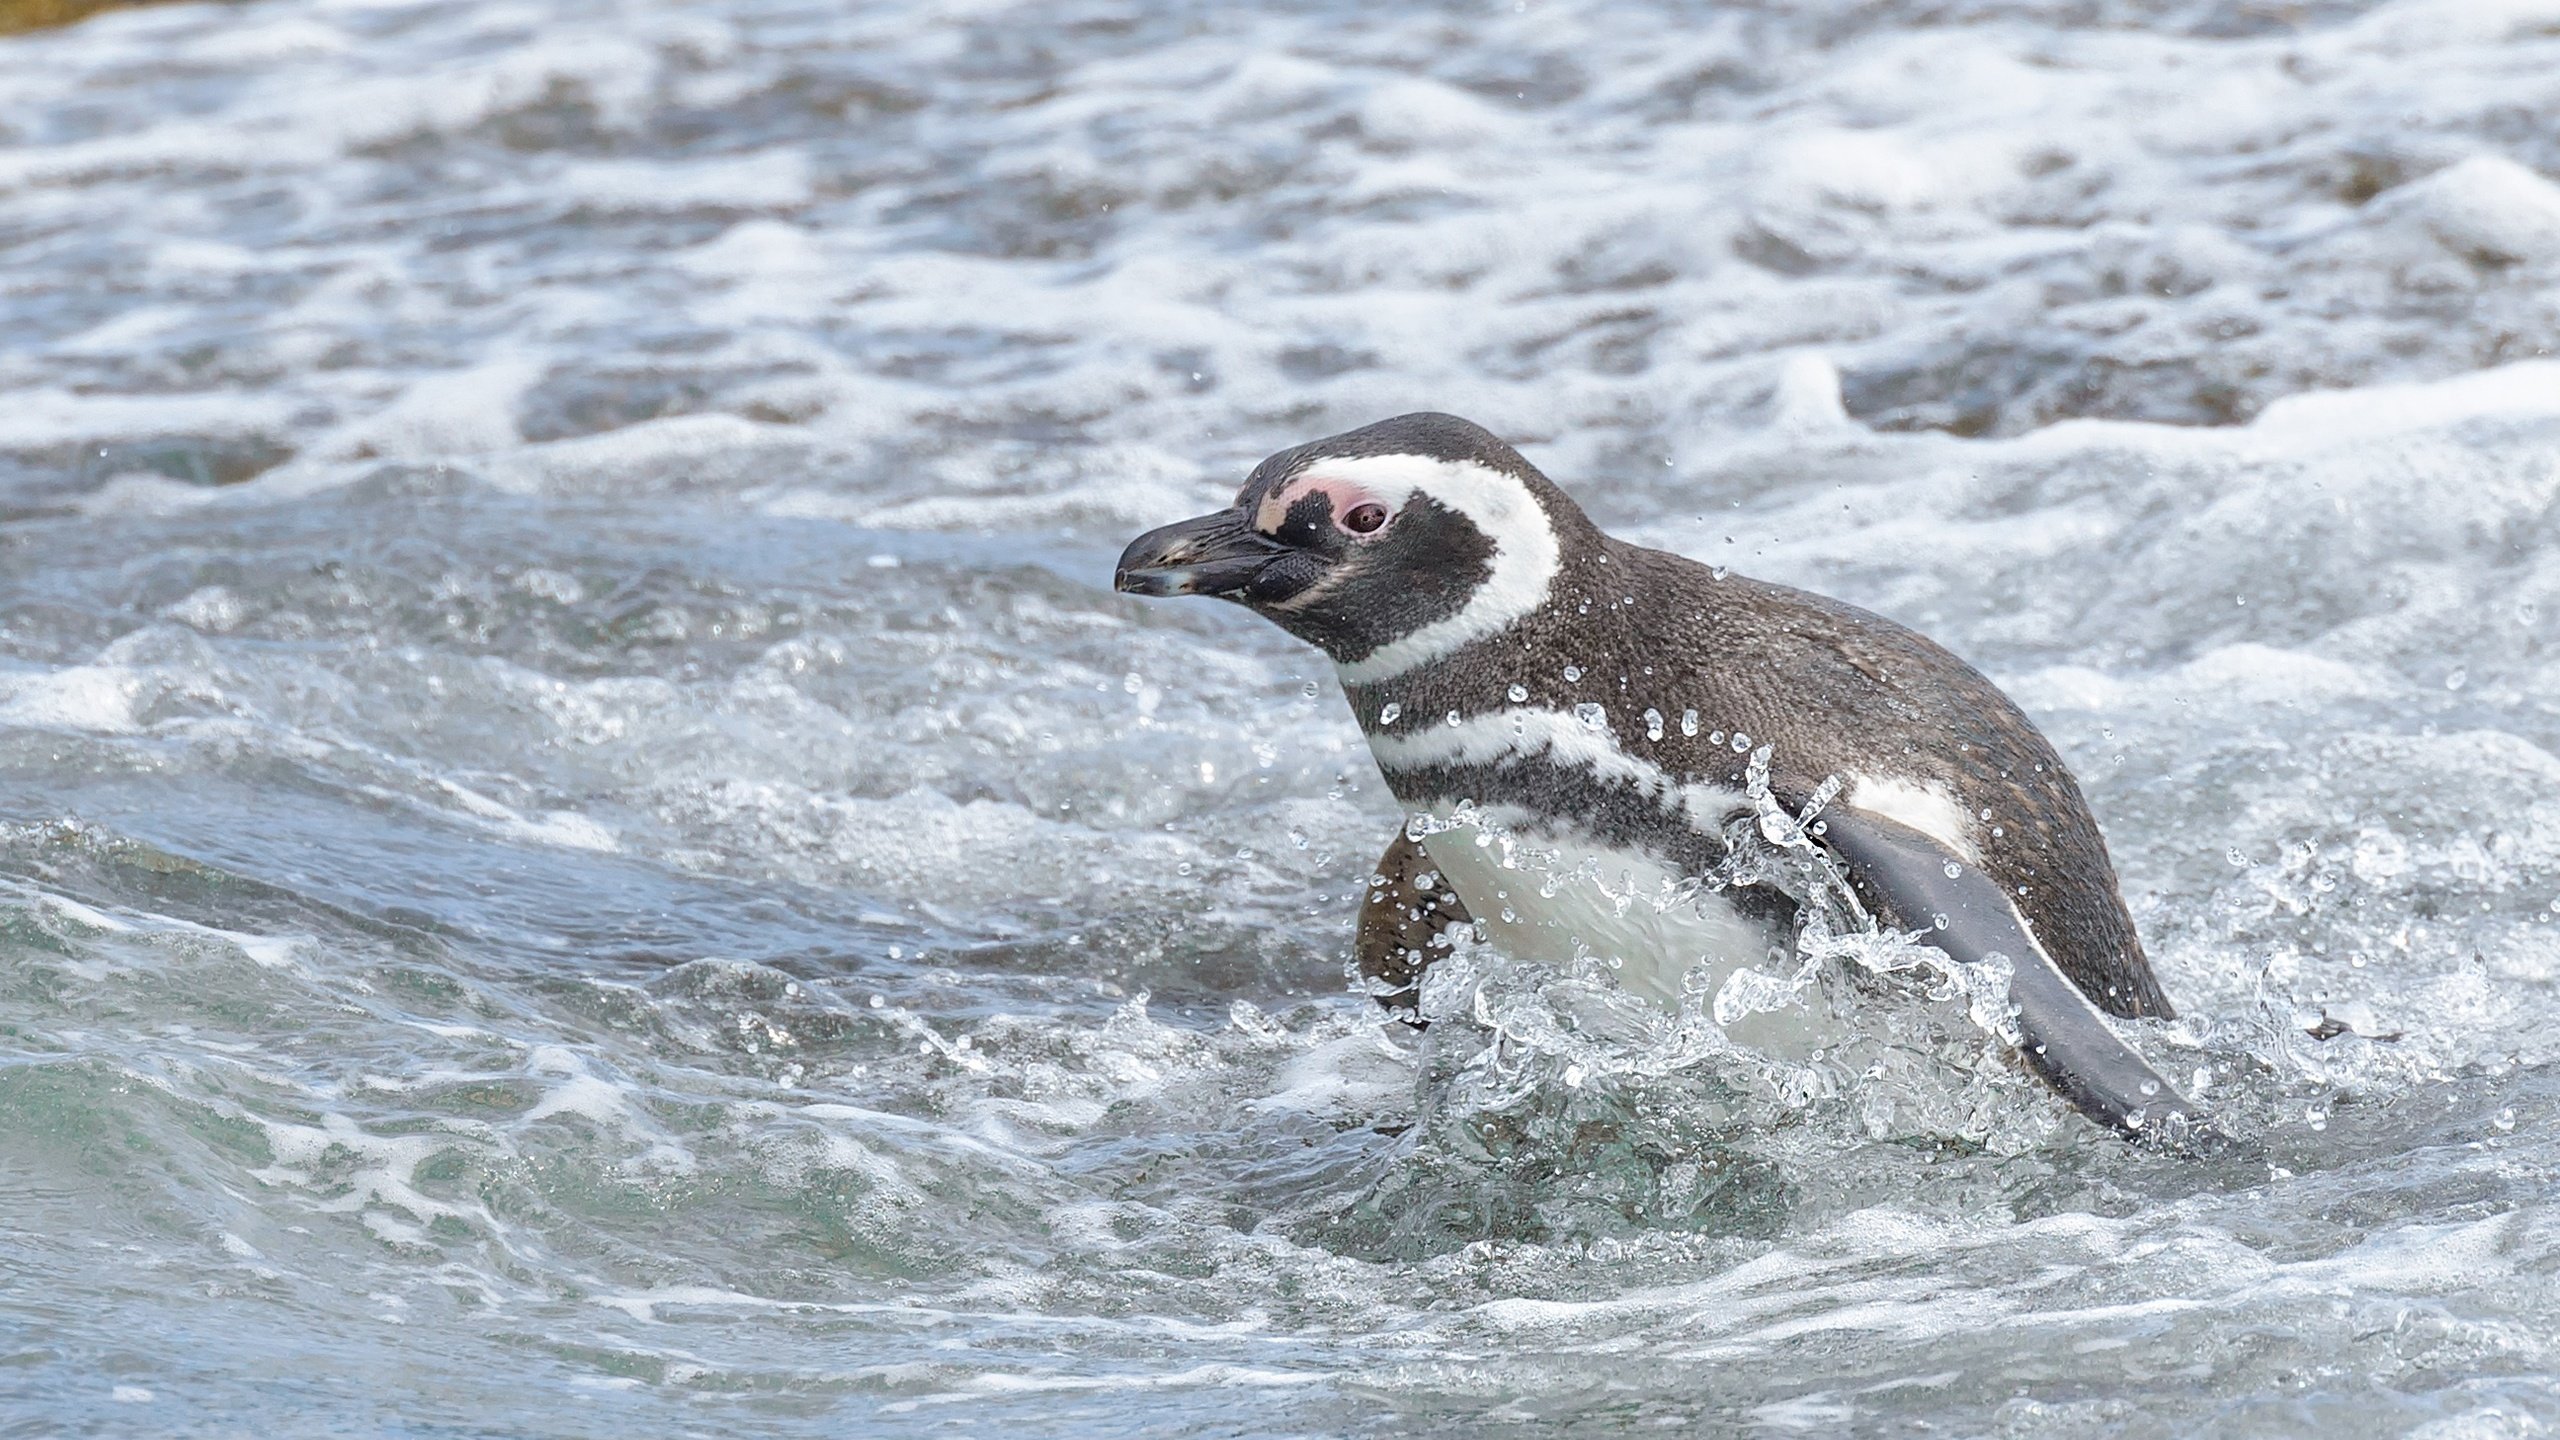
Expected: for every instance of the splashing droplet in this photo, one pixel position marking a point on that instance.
(1653, 724)
(1518, 693)
(1388, 715)
(1591, 715)
(1572, 672)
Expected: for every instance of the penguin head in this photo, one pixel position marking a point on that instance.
(1384, 546)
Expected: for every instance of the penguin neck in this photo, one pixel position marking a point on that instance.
(1573, 658)
(1575, 647)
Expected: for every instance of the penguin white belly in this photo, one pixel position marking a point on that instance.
(1558, 899)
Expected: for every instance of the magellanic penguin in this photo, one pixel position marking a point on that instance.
(1597, 701)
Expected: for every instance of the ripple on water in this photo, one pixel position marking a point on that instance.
(584, 837)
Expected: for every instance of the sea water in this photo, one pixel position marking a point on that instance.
(586, 850)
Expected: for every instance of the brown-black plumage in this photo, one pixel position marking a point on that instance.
(1833, 690)
(1500, 651)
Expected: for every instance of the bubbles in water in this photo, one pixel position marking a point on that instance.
(1558, 1139)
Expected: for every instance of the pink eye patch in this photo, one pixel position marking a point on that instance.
(1342, 496)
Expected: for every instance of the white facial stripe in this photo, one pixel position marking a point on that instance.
(1927, 806)
(1525, 550)
(1563, 740)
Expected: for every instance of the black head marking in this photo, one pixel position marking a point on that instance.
(1421, 570)
(1355, 561)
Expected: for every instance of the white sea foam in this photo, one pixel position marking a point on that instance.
(98, 698)
(561, 550)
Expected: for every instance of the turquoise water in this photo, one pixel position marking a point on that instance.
(585, 849)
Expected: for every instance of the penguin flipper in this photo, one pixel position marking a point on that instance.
(1917, 883)
(1402, 924)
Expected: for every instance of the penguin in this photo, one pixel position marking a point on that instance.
(1571, 721)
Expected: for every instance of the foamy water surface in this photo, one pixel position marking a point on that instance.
(585, 849)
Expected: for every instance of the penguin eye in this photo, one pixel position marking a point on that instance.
(1364, 519)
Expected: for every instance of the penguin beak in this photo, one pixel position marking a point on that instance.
(1218, 555)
